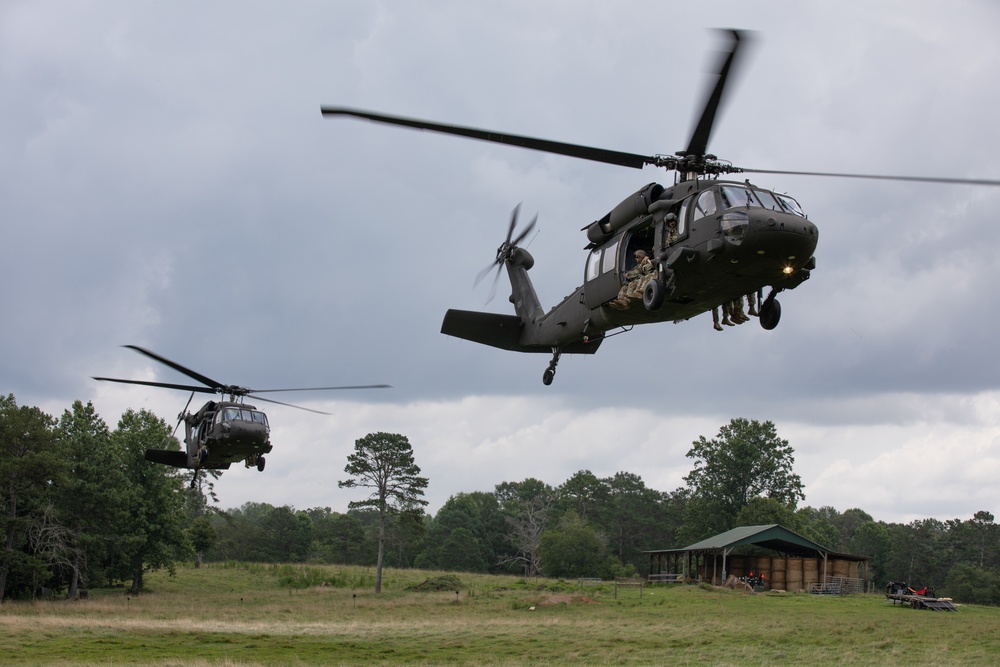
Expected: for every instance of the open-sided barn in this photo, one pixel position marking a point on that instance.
(775, 556)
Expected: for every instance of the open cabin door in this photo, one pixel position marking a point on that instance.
(607, 264)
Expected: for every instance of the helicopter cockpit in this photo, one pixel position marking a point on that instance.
(232, 414)
(737, 195)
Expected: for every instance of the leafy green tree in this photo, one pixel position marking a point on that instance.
(202, 536)
(574, 549)
(976, 541)
(765, 511)
(920, 552)
(153, 536)
(92, 499)
(478, 514)
(526, 506)
(847, 523)
(973, 584)
(337, 538)
(815, 524)
(584, 494)
(384, 463)
(632, 513)
(745, 460)
(875, 541)
(29, 461)
(285, 535)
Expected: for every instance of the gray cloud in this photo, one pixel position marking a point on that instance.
(168, 181)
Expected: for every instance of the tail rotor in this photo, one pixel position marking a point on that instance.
(505, 250)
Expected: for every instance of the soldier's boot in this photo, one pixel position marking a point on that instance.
(725, 315)
(752, 301)
(738, 315)
(715, 320)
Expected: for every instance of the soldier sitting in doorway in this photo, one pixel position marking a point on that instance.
(637, 277)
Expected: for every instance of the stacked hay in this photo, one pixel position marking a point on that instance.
(810, 572)
(778, 572)
(793, 574)
(840, 568)
(763, 567)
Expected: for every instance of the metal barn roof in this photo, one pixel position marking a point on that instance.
(773, 536)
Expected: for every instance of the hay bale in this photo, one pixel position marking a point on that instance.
(793, 573)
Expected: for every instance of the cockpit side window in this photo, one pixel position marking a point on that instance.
(790, 204)
(705, 205)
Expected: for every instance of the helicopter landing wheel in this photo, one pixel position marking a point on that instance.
(260, 464)
(770, 313)
(652, 296)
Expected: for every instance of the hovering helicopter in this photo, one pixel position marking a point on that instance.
(221, 432)
(711, 242)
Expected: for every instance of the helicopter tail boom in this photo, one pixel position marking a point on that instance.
(504, 332)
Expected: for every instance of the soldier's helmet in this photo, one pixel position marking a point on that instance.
(639, 254)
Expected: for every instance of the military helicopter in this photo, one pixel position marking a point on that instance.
(221, 432)
(710, 242)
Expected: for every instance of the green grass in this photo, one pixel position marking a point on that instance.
(245, 614)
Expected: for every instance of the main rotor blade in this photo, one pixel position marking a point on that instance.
(177, 367)
(358, 386)
(165, 385)
(572, 150)
(288, 405)
(878, 177)
(703, 130)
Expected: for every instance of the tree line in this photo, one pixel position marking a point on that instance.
(81, 508)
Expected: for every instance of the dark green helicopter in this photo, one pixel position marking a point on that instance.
(221, 432)
(711, 243)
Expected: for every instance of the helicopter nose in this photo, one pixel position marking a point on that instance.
(788, 238)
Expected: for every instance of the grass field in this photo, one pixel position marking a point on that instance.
(238, 614)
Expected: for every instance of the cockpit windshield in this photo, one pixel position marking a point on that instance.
(734, 196)
(243, 414)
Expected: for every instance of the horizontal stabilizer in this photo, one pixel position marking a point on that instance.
(504, 332)
(168, 457)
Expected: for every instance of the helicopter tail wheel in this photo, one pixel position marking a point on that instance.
(770, 313)
(260, 464)
(550, 372)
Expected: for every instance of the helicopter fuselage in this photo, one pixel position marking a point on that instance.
(219, 434)
(710, 241)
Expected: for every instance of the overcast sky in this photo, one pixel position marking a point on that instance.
(167, 180)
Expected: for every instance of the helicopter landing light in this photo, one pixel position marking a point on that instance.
(760, 252)
(787, 270)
